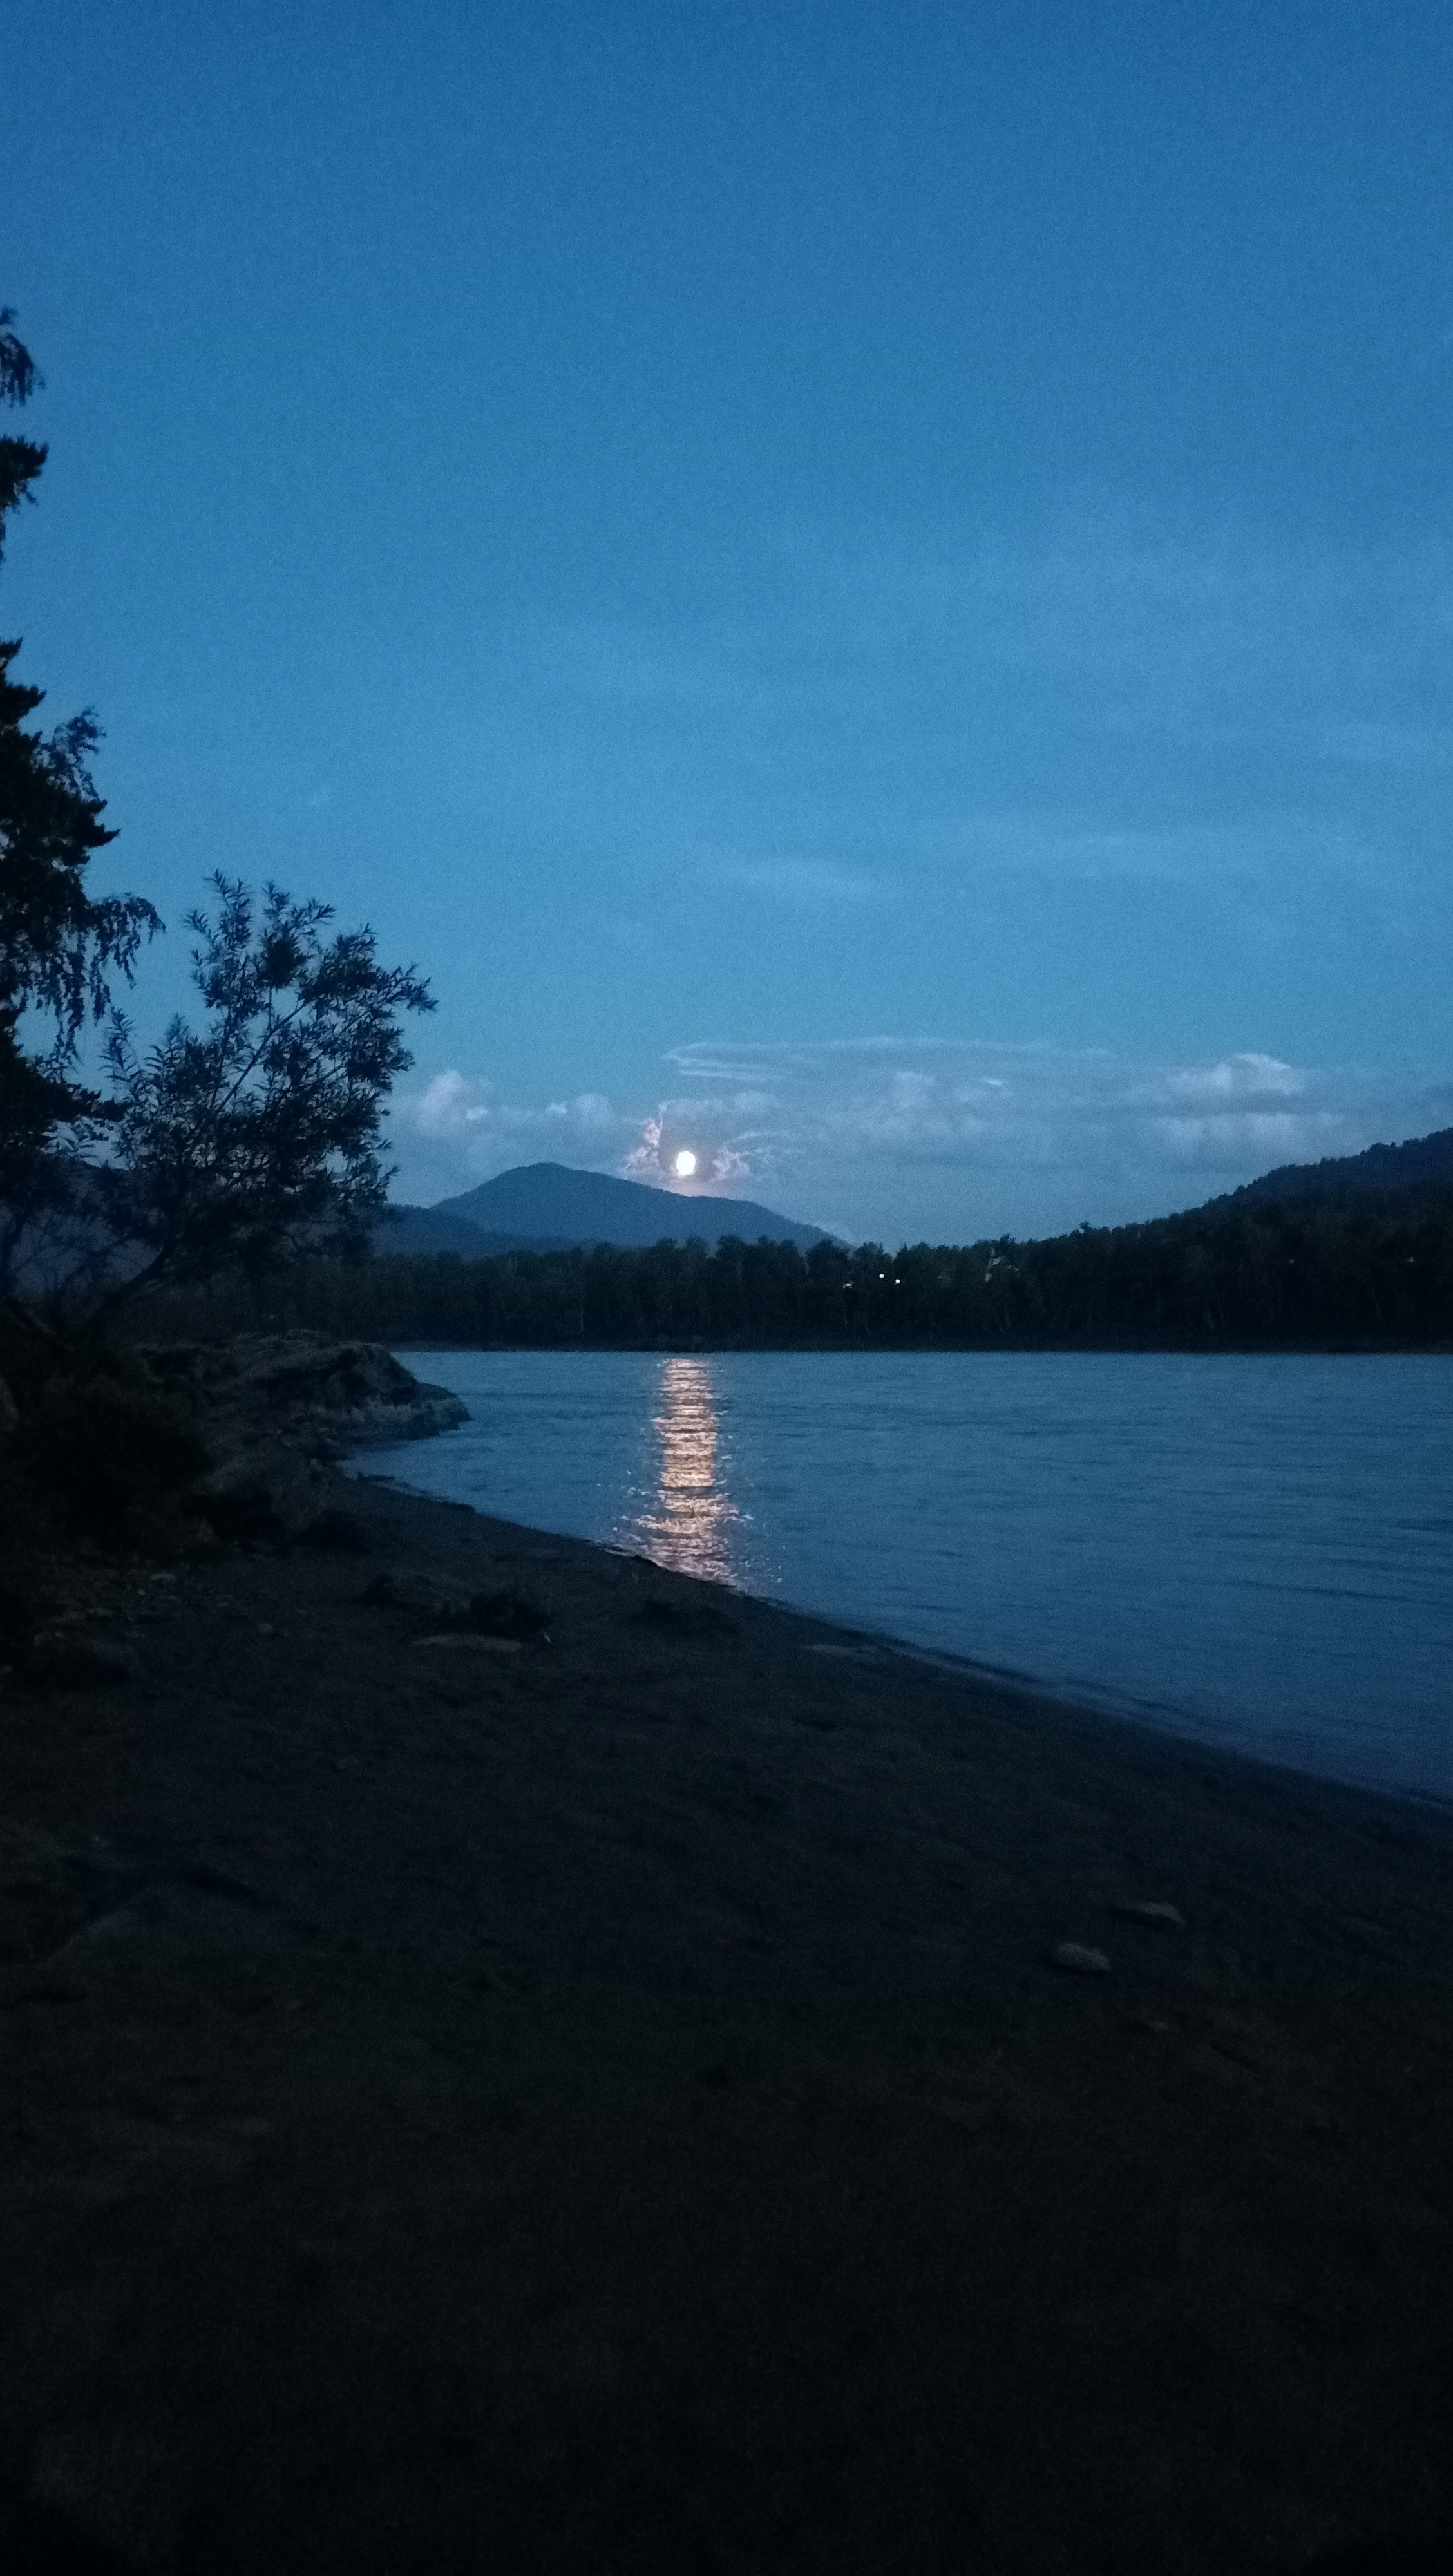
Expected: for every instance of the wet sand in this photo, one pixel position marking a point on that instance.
(610, 2104)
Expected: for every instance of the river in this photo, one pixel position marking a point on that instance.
(1256, 1552)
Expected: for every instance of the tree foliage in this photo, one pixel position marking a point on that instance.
(20, 459)
(1362, 1274)
(261, 1136)
(60, 946)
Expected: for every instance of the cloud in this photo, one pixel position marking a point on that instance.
(951, 1137)
(717, 1166)
(449, 1105)
(462, 1125)
(973, 1103)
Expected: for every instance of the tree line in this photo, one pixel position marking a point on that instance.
(1309, 1275)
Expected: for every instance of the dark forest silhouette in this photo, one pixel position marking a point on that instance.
(1297, 1275)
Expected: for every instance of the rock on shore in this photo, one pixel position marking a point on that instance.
(278, 1408)
(309, 1387)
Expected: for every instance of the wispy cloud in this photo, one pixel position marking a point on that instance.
(979, 1105)
(1109, 694)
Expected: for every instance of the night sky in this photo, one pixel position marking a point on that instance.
(867, 590)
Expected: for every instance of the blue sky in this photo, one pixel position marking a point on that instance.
(867, 590)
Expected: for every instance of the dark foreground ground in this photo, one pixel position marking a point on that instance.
(606, 2105)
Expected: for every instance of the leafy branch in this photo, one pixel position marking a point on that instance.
(262, 1136)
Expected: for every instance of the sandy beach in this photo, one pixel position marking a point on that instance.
(604, 2097)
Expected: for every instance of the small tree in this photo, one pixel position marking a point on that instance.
(59, 945)
(262, 1137)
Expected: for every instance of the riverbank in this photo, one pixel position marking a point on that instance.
(597, 2092)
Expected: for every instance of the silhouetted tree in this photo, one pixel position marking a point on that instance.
(262, 1136)
(59, 945)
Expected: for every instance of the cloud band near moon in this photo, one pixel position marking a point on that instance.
(878, 1138)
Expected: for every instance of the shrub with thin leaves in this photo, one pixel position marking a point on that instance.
(260, 1136)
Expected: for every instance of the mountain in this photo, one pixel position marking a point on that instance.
(547, 1207)
(1384, 1171)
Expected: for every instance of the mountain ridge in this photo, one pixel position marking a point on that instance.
(553, 1207)
(1420, 1162)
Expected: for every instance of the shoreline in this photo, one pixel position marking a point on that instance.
(702, 1348)
(619, 2094)
(1074, 1704)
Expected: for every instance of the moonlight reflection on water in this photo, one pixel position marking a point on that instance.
(688, 1522)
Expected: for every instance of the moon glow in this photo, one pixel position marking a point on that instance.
(685, 1165)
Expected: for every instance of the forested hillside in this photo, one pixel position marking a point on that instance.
(1365, 1274)
(1421, 1164)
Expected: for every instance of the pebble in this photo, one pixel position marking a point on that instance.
(1081, 1962)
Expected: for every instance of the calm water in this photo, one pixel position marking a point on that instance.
(1258, 1552)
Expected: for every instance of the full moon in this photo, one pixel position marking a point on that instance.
(685, 1165)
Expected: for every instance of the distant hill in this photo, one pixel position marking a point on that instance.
(1384, 1171)
(548, 1207)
